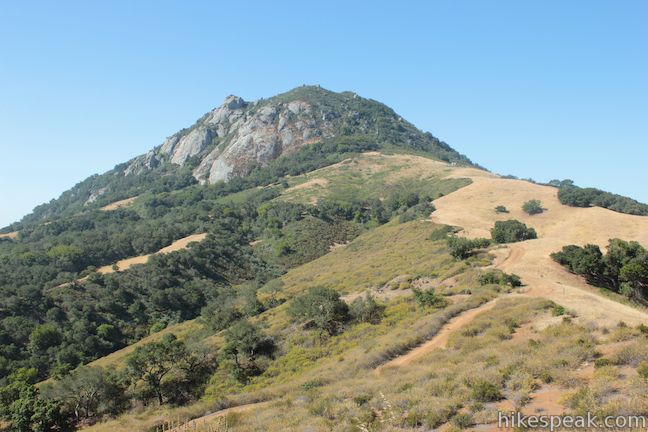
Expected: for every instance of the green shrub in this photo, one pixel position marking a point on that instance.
(532, 207)
(322, 307)
(428, 298)
(362, 399)
(463, 420)
(643, 329)
(484, 391)
(366, 310)
(602, 362)
(558, 310)
(462, 248)
(501, 209)
(511, 231)
(642, 370)
(441, 233)
(514, 280)
(498, 277)
(311, 384)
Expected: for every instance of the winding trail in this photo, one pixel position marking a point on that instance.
(440, 340)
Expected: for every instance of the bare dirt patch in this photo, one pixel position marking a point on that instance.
(143, 259)
(11, 235)
(472, 208)
(119, 204)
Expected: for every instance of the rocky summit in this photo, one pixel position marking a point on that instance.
(238, 135)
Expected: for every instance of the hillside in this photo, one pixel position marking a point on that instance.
(472, 209)
(312, 261)
(431, 366)
(238, 136)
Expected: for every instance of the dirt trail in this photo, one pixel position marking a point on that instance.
(208, 419)
(10, 235)
(441, 338)
(472, 208)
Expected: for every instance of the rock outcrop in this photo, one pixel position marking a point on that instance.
(237, 135)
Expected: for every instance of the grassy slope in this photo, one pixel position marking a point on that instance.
(361, 346)
(472, 208)
(373, 175)
(378, 256)
(332, 386)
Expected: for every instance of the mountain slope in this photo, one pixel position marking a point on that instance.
(324, 285)
(503, 341)
(559, 225)
(237, 136)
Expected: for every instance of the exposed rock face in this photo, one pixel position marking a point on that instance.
(237, 135)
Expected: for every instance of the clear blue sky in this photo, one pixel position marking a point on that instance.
(541, 89)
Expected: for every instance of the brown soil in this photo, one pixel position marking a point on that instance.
(11, 235)
(119, 204)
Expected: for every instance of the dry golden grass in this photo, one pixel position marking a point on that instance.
(315, 182)
(472, 208)
(10, 235)
(375, 258)
(119, 204)
(371, 175)
(180, 244)
(116, 359)
(440, 340)
(538, 361)
(430, 392)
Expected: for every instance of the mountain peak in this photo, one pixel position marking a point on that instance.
(238, 135)
(233, 102)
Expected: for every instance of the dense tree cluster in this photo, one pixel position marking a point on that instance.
(54, 328)
(572, 195)
(511, 231)
(22, 404)
(623, 269)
